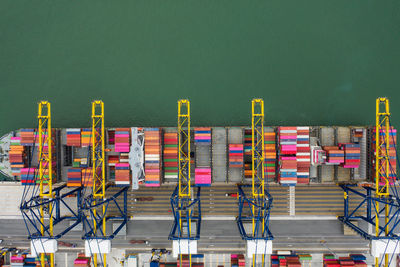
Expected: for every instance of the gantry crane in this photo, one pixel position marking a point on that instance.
(255, 210)
(41, 202)
(379, 207)
(45, 167)
(185, 204)
(95, 205)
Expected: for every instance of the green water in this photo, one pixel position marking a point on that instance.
(314, 62)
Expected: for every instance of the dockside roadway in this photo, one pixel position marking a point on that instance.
(218, 236)
(310, 200)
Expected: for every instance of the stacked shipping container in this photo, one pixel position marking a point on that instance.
(186, 263)
(73, 137)
(86, 137)
(17, 260)
(28, 137)
(353, 260)
(287, 157)
(237, 260)
(202, 176)
(122, 139)
(80, 163)
(247, 171)
(295, 157)
(358, 133)
(152, 150)
(171, 155)
(202, 139)
(124, 157)
(247, 154)
(303, 155)
(270, 156)
(247, 142)
(112, 160)
(202, 135)
(23, 260)
(30, 262)
(111, 137)
(74, 177)
(87, 177)
(82, 261)
(351, 155)
(236, 155)
(334, 155)
(28, 176)
(16, 156)
(288, 260)
(122, 174)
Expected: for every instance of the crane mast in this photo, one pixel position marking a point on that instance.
(98, 167)
(257, 159)
(382, 168)
(257, 156)
(45, 169)
(184, 148)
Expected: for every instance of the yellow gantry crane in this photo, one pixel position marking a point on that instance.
(42, 199)
(382, 168)
(255, 208)
(94, 206)
(257, 158)
(184, 203)
(45, 168)
(98, 166)
(386, 218)
(184, 163)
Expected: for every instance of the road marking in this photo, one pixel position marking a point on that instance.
(233, 218)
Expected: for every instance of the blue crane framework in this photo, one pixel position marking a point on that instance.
(42, 202)
(185, 205)
(255, 209)
(378, 205)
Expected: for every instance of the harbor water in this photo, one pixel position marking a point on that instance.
(314, 63)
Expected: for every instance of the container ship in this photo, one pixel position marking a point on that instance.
(140, 156)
